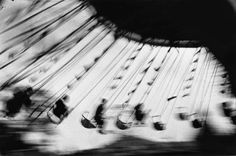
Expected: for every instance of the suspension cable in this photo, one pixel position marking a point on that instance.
(26, 48)
(74, 80)
(30, 17)
(37, 62)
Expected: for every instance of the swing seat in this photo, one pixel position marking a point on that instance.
(53, 118)
(196, 123)
(122, 125)
(114, 87)
(86, 123)
(183, 116)
(139, 125)
(159, 126)
(233, 119)
(227, 112)
(101, 131)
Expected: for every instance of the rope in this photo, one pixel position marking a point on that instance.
(78, 103)
(73, 80)
(124, 68)
(109, 83)
(7, 83)
(89, 92)
(154, 79)
(74, 59)
(179, 88)
(204, 75)
(143, 73)
(161, 85)
(130, 79)
(47, 24)
(190, 79)
(211, 89)
(34, 42)
(170, 83)
(30, 17)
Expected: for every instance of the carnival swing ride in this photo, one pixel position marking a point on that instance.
(166, 78)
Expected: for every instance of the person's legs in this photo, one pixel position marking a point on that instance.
(144, 115)
(100, 125)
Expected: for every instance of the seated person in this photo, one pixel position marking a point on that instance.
(227, 109)
(14, 105)
(98, 117)
(61, 110)
(26, 97)
(139, 115)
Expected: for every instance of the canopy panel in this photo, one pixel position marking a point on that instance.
(181, 23)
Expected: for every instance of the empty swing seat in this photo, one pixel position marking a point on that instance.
(159, 126)
(53, 118)
(58, 111)
(57, 117)
(86, 123)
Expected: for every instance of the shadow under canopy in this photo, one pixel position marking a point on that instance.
(172, 20)
(179, 23)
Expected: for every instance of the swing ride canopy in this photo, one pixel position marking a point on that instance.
(123, 71)
(169, 22)
(136, 78)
